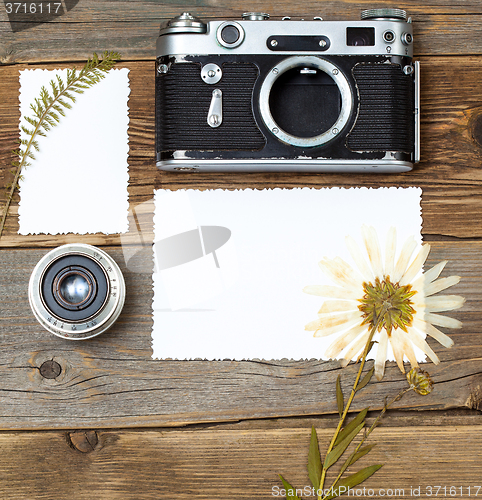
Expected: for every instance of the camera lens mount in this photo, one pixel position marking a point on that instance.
(307, 65)
(76, 291)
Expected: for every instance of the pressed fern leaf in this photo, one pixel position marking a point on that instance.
(47, 110)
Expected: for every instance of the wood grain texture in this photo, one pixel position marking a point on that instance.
(220, 463)
(111, 381)
(78, 395)
(131, 27)
(449, 174)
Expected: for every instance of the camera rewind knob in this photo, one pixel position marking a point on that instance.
(255, 16)
(185, 23)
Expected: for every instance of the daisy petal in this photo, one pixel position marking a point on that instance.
(357, 346)
(359, 259)
(334, 292)
(342, 341)
(330, 306)
(397, 349)
(381, 356)
(355, 275)
(443, 303)
(416, 266)
(439, 285)
(421, 343)
(439, 320)
(429, 276)
(404, 259)
(370, 239)
(341, 273)
(390, 250)
(436, 334)
(325, 332)
(406, 347)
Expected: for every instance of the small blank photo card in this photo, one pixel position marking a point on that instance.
(78, 180)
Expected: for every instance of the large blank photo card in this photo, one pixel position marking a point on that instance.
(237, 272)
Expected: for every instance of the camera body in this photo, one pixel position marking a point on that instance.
(287, 95)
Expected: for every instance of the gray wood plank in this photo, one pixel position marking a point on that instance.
(131, 27)
(111, 381)
(231, 463)
(449, 173)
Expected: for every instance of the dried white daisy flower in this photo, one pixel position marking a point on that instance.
(392, 295)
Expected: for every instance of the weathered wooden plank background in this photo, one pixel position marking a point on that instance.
(111, 381)
(449, 174)
(240, 461)
(103, 422)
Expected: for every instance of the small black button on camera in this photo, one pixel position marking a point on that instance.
(407, 38)
(230, 34)
(389, 36)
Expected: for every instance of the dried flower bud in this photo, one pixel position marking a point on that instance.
(420, 381)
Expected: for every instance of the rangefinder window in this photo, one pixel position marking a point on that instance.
(360, 37)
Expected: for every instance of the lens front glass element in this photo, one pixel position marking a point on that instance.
(75, 289)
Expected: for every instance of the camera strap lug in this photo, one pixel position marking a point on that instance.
(215, 113)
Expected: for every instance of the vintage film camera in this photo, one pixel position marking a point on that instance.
(288, 95)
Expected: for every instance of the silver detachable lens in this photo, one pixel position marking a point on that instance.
(76, 291)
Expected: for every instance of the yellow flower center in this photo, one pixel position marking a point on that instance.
(387, 305)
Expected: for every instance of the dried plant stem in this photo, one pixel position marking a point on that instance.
(378, 321)
(370, 430)
(10, 197)
(24, 158)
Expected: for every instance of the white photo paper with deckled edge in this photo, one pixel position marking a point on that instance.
(239, 295)
(78, 181)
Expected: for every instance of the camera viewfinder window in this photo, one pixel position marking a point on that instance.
(360, 37)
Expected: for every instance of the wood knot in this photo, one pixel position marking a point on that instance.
(476, 129)
(83, 441)
(474, 401)
(50, 369)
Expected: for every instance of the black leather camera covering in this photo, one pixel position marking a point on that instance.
(382, 116)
